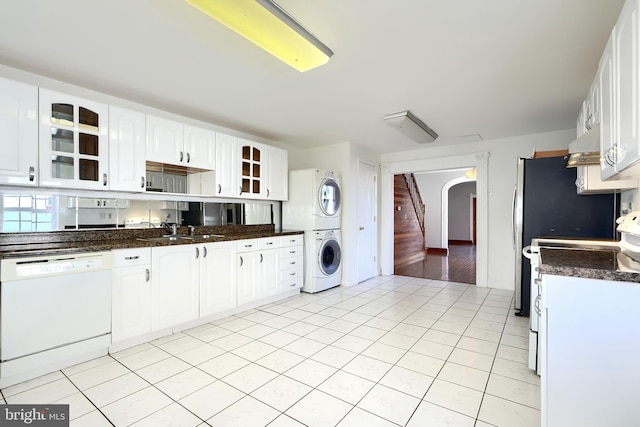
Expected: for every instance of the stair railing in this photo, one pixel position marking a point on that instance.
(416, 199)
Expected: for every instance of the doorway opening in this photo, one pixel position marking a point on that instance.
(448, 243)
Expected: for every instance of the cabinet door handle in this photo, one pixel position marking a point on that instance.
(241, 261)
(147, 274)
(204, 252)
(240, 190)
(104, 179)
(188, 157)
(181, 156)
(197, 253)
(261, 258)
(268, 192)
(219, 188)
(142, 182)
(129, 258)
(32, 173)
(104, 203)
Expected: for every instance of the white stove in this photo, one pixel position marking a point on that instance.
(627, 259)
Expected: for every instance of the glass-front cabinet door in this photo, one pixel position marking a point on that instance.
(251, 173)
(73, 142)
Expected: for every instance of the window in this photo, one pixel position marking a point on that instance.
(25, 213)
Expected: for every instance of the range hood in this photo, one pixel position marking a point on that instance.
(586, 149)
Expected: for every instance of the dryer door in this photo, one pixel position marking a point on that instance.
(329, 257)
(329, 197)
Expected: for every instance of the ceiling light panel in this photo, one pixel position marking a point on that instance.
(267, 25)
(411, 126)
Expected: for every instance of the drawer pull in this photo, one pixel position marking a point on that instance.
(292, 263)
(292, 274)
(129, 258)
(293, 284)
(292, 252)
(248, 246)
(269, 243)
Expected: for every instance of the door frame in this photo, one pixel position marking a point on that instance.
(480, 160)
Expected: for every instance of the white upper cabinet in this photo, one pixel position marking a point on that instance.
(200, 147)
(227, 166)
(127, 166)
(619, 92)
(607, 145)
(276, 173)
(174, 143)
(73, 142)
(165, 141)
(19, 133)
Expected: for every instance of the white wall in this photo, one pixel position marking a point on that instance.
(460, 211)
(430, 185)
(500, 182)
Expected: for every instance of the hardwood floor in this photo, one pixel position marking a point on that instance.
(458, 266)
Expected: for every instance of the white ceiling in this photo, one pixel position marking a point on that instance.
(496, 68)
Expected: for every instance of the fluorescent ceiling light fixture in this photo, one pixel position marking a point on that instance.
(411, 126)
(269, 26)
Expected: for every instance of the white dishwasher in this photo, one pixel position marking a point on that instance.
(54, 310)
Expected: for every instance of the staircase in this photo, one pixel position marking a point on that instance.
(408, 230)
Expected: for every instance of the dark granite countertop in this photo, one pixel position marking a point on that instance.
(602, 264)
(65, 242)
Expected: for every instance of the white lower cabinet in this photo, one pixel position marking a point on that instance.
(218, 272)
(258, 269)
(589, 335)
(291, 262)
(175, 289)
(131, 294)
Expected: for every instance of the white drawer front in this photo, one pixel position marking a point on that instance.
(248, 245)
(291, 252)
(291, 273)
(286, 263)
(293, 240)
(294, 283)
(131, 257)
(268, 243)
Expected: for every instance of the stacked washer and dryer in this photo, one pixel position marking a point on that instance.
(314, 206)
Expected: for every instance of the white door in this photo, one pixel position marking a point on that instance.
(227, 166)
(200, 147)
(131, 302)
(248, 277)
(269, 273)
(19, 133)
(174, 285)
(127, 161)
(367, 233)
(218, 278)
(165, 141)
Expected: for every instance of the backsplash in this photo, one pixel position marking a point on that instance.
(28, 213)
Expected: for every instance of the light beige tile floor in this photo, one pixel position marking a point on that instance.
(392, 351)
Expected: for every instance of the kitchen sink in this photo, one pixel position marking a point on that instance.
(203, 236)
(162, 238)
